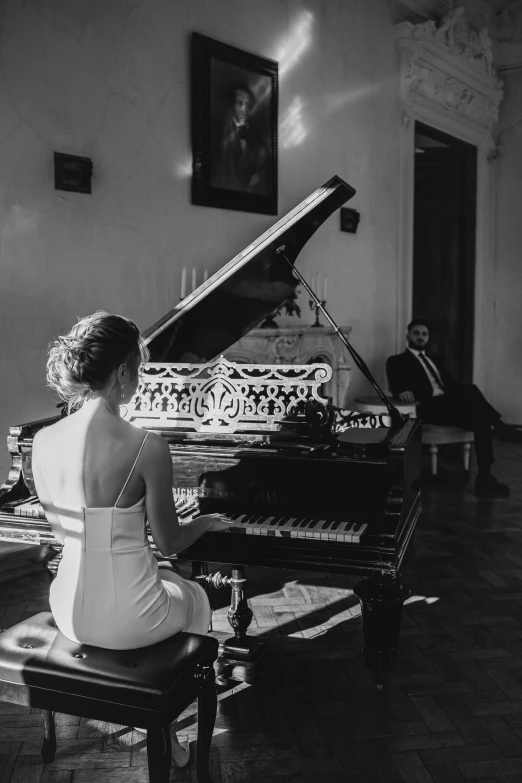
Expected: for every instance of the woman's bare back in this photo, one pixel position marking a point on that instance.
(88, 458)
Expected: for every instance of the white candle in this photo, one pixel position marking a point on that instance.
(205, 275)
(313, 283)
(193, 278)
(325, 285)
(183, 291)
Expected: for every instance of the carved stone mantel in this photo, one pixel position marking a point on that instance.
(298, 345)
(449, 67)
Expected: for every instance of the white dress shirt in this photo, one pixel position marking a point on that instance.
(436, 381)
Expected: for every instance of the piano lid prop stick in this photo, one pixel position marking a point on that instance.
(395, 416)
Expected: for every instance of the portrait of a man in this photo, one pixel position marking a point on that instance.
(234, 133)
(241, 157)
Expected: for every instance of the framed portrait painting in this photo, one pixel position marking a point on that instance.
(234, 128)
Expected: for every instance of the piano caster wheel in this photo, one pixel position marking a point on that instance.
(222, 679)
(223, 673)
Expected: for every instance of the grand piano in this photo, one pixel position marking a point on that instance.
(261, 445)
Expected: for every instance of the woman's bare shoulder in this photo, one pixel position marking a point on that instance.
(49, 434)
(156, 445)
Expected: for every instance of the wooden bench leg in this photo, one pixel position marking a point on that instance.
(49, 743)
(466, 448)
(433, 453)
(159, 753)
(207, 705)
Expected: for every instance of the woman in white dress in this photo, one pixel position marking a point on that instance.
(99, 478)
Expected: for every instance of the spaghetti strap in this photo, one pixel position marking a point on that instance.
(131, 470)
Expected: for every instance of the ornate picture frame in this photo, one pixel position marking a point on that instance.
(234, 127)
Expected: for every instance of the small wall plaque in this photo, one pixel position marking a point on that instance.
(72, 173)
(349, 219)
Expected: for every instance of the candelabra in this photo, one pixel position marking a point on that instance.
(315, 306)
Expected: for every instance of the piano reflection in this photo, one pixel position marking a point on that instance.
(259, 444)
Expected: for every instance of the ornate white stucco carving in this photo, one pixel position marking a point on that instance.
(450, 67)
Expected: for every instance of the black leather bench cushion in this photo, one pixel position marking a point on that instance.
(35, 653)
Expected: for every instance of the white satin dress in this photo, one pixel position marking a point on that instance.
(108, 591)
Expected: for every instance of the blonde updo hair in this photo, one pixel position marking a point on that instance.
(81, 361)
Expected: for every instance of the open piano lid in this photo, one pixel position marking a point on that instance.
(246, 290)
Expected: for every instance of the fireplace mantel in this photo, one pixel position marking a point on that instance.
(298, 345)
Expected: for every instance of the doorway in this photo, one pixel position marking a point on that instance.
(445, 197)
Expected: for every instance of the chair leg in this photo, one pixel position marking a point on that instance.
(466, 448)
(207, 705)
(49, 743)
(433, 453)
(159, 753)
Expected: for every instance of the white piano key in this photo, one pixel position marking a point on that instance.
(250, 524)
(265, 527)
(295, 529)
(285, 529)
(356, 535)
(257, 529)
(333, 527)
(311, 528)
(320, 532)
(278, 526)
(332, 530)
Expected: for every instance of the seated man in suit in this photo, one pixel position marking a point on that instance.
(413, 376)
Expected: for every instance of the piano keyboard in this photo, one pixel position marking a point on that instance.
(187, 507)
(284, 527)
(298, 527)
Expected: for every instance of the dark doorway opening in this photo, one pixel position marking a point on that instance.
(445, 198)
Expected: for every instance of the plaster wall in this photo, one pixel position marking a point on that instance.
(110, 80)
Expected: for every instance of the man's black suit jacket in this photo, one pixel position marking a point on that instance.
(406, 373)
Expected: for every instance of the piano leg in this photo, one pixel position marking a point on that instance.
(239, 614)
(382, 598)
(240, 653)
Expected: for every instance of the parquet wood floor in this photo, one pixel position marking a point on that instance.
(453, 711)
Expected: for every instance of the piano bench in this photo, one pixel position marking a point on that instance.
(146, 687)
(435, 435)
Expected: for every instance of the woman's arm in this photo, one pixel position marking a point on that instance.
(42, 489)
(156, 470)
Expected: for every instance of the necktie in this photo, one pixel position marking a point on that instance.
(434, 376)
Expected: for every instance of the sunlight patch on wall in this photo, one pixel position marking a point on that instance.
(292, 129)
(292, 46)
(338, 100)
(183, 169)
